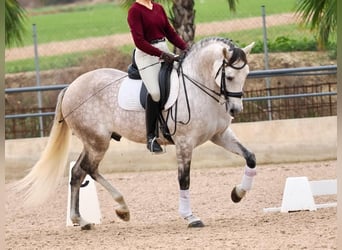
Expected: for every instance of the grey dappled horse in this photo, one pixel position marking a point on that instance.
(212, 77)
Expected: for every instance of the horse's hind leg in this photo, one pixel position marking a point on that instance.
(122, 211)
(77, 177)
(229, 141)
(84, 166)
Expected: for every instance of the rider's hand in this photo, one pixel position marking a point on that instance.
(184, 53)
(169, 58)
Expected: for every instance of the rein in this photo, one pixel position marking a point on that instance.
(90, 97)
(99, 90)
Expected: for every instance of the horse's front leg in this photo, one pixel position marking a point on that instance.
(184, 154)
(229, 141)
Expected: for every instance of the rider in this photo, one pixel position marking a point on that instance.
(149, 27)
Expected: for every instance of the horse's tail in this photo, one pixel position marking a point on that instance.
(45, 175)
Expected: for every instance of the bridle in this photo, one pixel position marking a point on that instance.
(223, 86)
(222, 96)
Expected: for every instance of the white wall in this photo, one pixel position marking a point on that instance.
(280, 141)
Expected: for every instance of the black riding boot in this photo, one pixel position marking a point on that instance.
(152, 112)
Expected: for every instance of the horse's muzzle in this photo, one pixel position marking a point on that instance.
(233, 111)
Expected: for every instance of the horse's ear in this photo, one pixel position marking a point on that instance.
(225, 53)
(248, 48)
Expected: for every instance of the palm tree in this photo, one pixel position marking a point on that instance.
(15, 17)
(183, 19)
(320, 16)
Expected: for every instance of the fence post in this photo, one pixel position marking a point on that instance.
(39, 94)
(269, 104)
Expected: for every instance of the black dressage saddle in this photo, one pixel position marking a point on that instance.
(164, 81)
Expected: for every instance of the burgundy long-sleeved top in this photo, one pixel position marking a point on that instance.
(147, 25)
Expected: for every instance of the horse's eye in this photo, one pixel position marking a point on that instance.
(230, 78)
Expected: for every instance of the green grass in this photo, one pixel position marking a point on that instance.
(218, 10)
(69, 23)
(94, 21)
(247, 36)
(242, 38)
(48, 62)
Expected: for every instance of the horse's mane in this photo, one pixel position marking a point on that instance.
(209, 40)
(238, 53)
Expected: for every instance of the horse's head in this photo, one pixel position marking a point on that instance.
(221, 66)
(231, 70)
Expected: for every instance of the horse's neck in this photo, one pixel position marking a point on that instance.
(200, 67)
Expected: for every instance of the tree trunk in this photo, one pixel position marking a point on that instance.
(183, 19)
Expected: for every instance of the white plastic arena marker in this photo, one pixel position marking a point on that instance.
(299, 194)
(89, 202)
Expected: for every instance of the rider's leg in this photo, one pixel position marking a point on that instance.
(152, 112)
(149, 68)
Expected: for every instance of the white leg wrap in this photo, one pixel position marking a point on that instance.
(184, 203)
(247, 179)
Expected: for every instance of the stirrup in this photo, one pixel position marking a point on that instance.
(153, 145)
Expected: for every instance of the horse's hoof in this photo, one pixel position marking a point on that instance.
(234, 196)
(196, 224)
(194, 221)
(89, 226)
(123, 215)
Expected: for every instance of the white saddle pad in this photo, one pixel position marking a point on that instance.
(129, 93)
